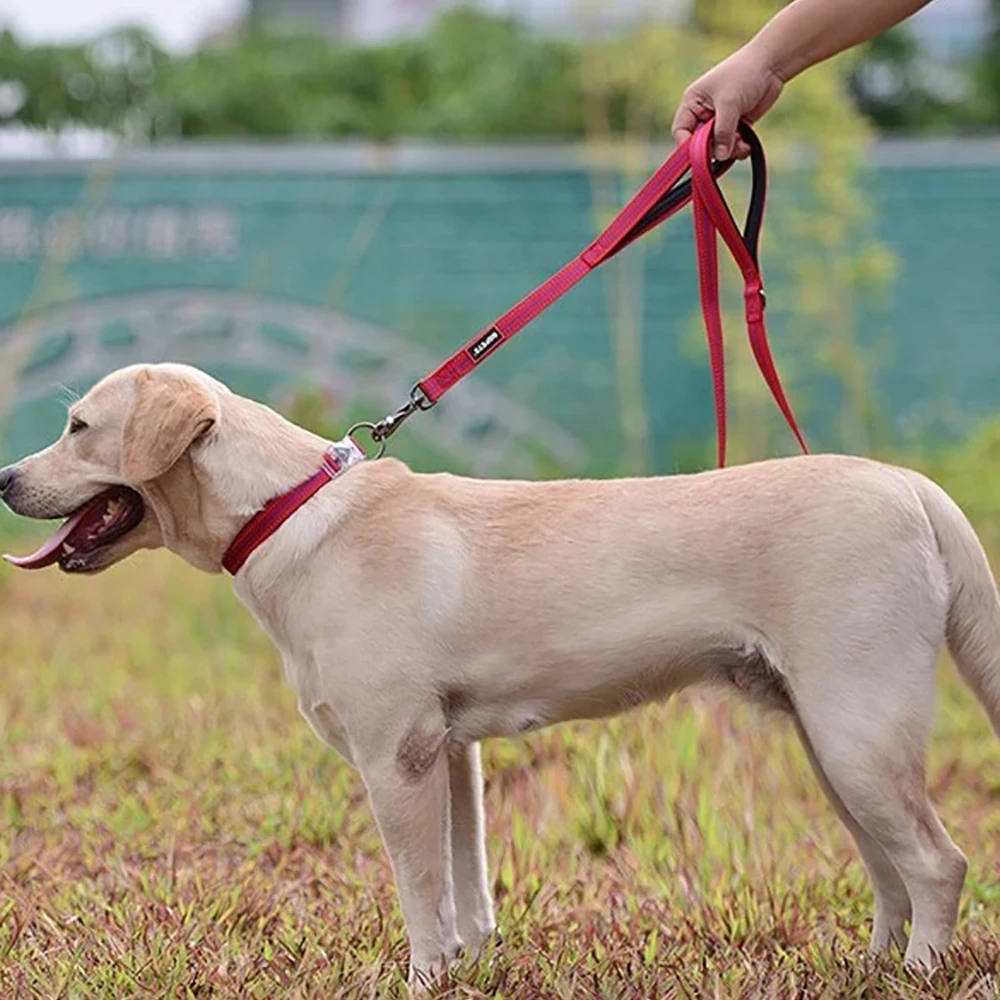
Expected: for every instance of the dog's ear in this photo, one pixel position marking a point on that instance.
(168, 413)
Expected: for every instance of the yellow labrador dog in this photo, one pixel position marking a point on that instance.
(419, 614)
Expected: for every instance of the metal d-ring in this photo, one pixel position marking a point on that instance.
(367, 425)
(387, 426)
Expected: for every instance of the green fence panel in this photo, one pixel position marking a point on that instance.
(359, 280)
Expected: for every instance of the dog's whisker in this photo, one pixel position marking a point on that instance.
(68, 395)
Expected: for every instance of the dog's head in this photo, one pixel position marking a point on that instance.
(153, 455)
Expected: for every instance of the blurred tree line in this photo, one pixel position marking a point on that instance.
(470, 76)
(988, 78)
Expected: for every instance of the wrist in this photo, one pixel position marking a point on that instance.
(770, 59)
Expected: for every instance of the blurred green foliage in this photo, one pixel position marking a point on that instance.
(988, 75)
(970, 472)
(899, 88)
(470, 75)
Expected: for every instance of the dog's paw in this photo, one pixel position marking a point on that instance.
(478, 935)
(427, 975)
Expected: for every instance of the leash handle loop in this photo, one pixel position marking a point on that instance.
(709, 201)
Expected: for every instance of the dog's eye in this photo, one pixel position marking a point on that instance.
(76, 425)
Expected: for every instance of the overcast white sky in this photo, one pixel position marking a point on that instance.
(179, 24)
(176, 23)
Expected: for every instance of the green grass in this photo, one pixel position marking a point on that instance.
(170, 828)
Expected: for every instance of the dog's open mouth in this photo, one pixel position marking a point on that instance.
(81, 541)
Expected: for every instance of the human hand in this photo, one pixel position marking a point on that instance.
(742, 86)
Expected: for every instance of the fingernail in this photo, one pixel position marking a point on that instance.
(721, 151)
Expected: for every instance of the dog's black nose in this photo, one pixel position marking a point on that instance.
(7, 477)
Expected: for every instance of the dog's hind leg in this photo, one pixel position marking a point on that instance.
(867, 724)
(892, 901)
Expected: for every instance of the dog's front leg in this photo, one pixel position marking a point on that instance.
(409, 790)
(473, 902)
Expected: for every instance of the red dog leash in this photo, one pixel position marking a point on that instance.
(661, 196)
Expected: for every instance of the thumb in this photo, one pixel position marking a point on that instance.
(727, 116)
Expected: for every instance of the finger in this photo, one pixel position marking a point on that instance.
(684, 124)
(693, 110)
(742, 150)
(681, 135)
(727, 115)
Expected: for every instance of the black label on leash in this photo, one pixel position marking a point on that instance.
(488, 342)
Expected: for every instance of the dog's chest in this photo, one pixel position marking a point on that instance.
(301, 673)
(315, 708)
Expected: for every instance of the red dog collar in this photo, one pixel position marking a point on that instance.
(339, 457)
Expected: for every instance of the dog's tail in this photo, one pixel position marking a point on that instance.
(973, 623)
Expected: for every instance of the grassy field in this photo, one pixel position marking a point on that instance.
(170, 828)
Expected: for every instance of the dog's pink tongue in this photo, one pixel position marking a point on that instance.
(49, 552)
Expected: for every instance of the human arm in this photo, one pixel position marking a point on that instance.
(747, 83)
